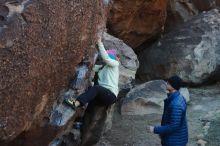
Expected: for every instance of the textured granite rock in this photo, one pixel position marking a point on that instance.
(191, 51)
(136, 21)
(41, 44)
(147, 98)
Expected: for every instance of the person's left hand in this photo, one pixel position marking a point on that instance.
(150, 129)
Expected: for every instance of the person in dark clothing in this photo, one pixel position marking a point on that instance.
(173, 130)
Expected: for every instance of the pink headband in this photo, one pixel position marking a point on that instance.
(112, 52)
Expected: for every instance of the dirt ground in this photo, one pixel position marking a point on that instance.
(203, 122)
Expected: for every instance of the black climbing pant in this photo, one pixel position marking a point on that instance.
(99, 93)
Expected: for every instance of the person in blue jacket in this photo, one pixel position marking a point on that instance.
(173, 130)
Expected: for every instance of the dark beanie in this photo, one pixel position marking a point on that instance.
(175, 82)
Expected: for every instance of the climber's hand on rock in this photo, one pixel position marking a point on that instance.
(100, 36)
(99, 39)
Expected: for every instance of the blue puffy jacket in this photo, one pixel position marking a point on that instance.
(173, 130)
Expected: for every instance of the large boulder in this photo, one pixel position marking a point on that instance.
(41, 43)
(136, 21)
(128, 60)
(191, 51)
(179, 11)
(97, 121)
(205, 5)
(147, 98)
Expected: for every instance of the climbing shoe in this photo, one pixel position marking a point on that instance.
(70, 102)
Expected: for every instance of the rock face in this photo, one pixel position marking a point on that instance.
(144, 99)
(205, 5)
(41, 43)
(178, 11)
(137, 21)
(128, 59)
(147, 98)
(192, 51)
(95, 118)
